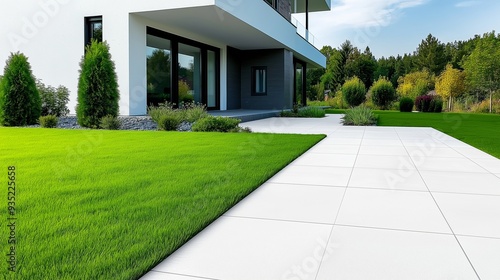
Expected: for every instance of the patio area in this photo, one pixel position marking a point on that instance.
(365, 203)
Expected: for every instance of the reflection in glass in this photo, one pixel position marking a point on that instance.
(158, 70)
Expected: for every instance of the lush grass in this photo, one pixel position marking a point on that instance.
(359, 116)
(479, 130)
(112, 204)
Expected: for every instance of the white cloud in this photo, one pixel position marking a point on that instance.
(466, 4)
(362, 13)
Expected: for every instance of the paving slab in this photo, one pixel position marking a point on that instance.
(364, 203)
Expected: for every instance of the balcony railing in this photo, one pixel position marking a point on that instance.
(284, 8)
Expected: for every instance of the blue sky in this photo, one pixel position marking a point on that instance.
(392, 27)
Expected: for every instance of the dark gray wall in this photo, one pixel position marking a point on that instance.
(279, 65)
(233, 78)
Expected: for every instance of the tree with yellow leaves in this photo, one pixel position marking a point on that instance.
(450, 84)
(415, 84)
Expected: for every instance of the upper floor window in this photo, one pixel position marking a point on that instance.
(93, 29)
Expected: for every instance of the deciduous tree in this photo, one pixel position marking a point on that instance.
(450, 84)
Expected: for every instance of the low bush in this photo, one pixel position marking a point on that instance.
(354, 92)
(191, 112)
(49, 121)
(429, 104)
(337, 102)
(169, 122)
(311, 112)
(110, 122)
(216, 124)
(383, 93)
(163, 109)
(54, 100)
(359, 116)
(406, 104)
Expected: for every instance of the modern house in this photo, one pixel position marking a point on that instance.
(227, 54)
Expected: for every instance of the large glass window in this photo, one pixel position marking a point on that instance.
(211, 79)
(189, 74)
(180, 70)
(158, 56)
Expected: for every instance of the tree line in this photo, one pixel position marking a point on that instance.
(464, 71)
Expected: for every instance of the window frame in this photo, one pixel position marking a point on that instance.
(89, 22)
(255, 70)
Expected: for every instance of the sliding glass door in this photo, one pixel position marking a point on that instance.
(180, 70)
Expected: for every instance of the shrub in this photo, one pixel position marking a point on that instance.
(383, 93)
(49, 121)
(429, 103)
(169, 122)
(354, 92)
(311, 112)
(193, 112)
(436, 105)
(359, 116)
(110, 122)
(20, 102)
(288, 114)
(163, 109)
(216, 124)
(337, 102)
(406, 104)
(97, 86)
(54, 100)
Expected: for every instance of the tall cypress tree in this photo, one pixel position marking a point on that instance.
(20, 102)
(98, 93)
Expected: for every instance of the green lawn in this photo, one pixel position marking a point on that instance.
(479, 130)
(112, 204)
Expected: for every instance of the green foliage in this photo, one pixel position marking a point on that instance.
(97, 86)
(49, 121)
(169, 122)
(165, 112)
(406, 104)
(359, 116)
(416, 84)
(354, 92)
(431, 55)
(338, 101)
(184, 93)
(110, 122)
(436, 105)
(383, 93)
(191, 112)
(54, 100)
(20, 102)
(305, 112)
(158, 77)
(216, 124)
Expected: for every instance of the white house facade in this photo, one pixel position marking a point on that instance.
(227, 54)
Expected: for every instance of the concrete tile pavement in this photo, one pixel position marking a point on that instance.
(365, 203)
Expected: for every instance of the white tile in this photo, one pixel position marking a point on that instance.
(472, 152)
(326, 160)
(334, 149)
(387, 162)
(445, 164)
(360, 253)
(342, 141)
(312, 175)
(391, 179)
(484, 254)
(291, 202)
(430, 151)
(492, 165)
(383, 150)
(462, 182)
(153, 275)
(475, 215)
(235, 248)
(382, 142)
(404, 210)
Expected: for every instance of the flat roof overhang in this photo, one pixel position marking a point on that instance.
(220, 25)
(299, 6)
